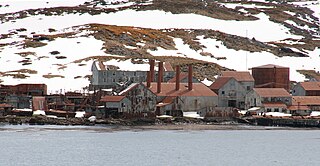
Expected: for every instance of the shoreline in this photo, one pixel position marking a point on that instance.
(139, 128)
(111, 125)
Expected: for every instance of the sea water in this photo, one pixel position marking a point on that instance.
(64, 145)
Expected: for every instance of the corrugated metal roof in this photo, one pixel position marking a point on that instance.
(168, 89)
(112, 98)
(306, 100)
(310, 85)
(269, 66)
(241, 76)
(220, 82)
(272, 92)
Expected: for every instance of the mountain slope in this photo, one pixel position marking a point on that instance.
(52, 43)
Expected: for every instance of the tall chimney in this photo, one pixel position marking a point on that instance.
(189, 77)
(152, 63)
(177, 77)
(148, 79)
(160, 76)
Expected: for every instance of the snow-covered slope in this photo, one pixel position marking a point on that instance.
(59, 71)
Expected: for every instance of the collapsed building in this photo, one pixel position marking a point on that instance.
(106, 76)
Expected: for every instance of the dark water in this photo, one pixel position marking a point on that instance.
(56, 145)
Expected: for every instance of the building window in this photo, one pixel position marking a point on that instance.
(222, 92)
(276, 110)
(248, 87)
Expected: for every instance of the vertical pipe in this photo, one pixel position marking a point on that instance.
(152, 63)
(148, 79)
(274, 77)
(177, 78)
(190, 77)
(160, 76)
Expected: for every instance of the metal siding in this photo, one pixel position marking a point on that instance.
(280, 77)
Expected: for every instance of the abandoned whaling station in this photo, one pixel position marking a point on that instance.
(264, 96)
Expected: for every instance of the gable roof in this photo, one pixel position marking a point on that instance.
(112, 98)
(269, 66)
(128, 89)
(272, 92)
(219, 83)
(168, 89)
(305, 100)
(240, 76)
(310, 85)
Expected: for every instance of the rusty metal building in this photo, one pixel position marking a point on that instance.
(271, 76)
(174, 98)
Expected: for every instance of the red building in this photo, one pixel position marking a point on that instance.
(271, 76)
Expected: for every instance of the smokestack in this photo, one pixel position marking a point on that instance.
(152, 63)
(148, 79)
(189, 77)
(160, 75)
(177, 77)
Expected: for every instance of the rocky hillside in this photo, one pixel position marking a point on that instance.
(48, 44)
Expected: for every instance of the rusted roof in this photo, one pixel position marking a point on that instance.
(112, 98)
(182, 76)
(272, 92)
(310, 85)
(270, 66)
(317, 78)
(300, 107)
(241, 76)
(168, 89)
(166, 101)
(274, 104)
(219, 83)
(101, 65)
(305, 100)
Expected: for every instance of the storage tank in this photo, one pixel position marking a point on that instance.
(271, 76)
